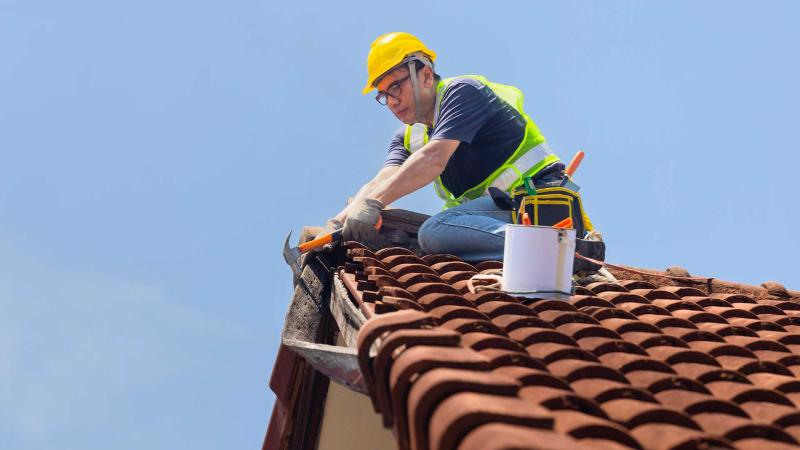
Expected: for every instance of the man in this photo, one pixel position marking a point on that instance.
(465, 134)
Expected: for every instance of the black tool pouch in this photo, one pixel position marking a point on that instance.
(549, 206)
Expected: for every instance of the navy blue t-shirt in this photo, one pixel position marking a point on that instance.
(488, 128)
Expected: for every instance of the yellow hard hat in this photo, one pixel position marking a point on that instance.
(390, 50)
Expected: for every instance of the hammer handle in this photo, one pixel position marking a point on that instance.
(576, 161)
(327, 238)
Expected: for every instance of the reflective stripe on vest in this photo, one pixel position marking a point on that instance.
(531, 156)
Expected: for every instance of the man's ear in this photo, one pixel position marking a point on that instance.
(428, 80)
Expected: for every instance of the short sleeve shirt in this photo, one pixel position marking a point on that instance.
(489, 131)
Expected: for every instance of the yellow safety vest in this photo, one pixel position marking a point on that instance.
(530, 157)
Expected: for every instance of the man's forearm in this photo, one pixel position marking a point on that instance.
(421, 168)
(367, 190)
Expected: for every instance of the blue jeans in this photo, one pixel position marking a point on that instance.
(474, 231)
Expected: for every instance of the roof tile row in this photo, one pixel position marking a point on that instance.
(628, 365)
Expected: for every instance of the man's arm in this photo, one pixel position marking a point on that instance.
(366, 191)
(421, 168)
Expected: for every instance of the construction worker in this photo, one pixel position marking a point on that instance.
(465, 134)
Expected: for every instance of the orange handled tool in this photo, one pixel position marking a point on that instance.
(292, 254)
(576, 161)
(333, 236)
(566, 223)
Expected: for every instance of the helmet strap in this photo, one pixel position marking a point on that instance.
(412, 70)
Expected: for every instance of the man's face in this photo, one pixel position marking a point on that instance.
(403, 106)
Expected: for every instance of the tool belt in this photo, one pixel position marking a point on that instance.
(547, 204)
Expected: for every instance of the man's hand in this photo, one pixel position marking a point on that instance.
(361, 219)
(330, 226)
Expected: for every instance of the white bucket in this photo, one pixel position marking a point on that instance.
(537, 261)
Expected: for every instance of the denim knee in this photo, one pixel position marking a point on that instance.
(426, 235)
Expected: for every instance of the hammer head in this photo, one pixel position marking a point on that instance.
(291, 255)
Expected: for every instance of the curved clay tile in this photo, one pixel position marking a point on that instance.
(675, 305)
(455, 276)
(580, 290)
(421, 289)
(558, 400)
(584, 301)
(573, 370)
(464, 326)
(501, 436)
(781, 383)
(738, 428)
(530, 335)
(533, 377)
(617, 297)
(586, 330)
(449, 312)
(595, 431)
(434, 386)
(622, 326)
(655, 382)
(723, 329)
(627, 362)
(730, 312)
(602, 286)
(415, 276)
(395, 260)
(482, 341)
(552, 351)
(435, 259)
(488, 265)
(602, 391)
(672, 437)
(453, 266)
(499, 308)
(487, 296)
(634, 413)
(636, 284)
(602, 314)
(511, 322)
(741, 393)
(647, 340)
(692, 403)
(553, 305)
(682, 291)
(462, 412)
(667, 321)
(509, 358)
(653, 294)
(436, 299)
(707, 302)
(404, 340)
(412, 363)
(733, 298)
(393, 251)
(638, 309)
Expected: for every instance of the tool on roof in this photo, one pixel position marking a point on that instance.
(566, 223)
(573, 166)
(292, 254)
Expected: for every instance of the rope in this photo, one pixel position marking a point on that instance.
(494, 276)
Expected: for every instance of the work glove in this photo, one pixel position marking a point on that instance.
(361, 220)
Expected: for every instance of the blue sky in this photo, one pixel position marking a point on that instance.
(153, 156)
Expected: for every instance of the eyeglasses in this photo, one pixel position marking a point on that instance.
(394, 90)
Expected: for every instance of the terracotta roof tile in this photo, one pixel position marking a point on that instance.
(630, 365)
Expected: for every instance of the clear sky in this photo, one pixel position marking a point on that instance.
(154, 154)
